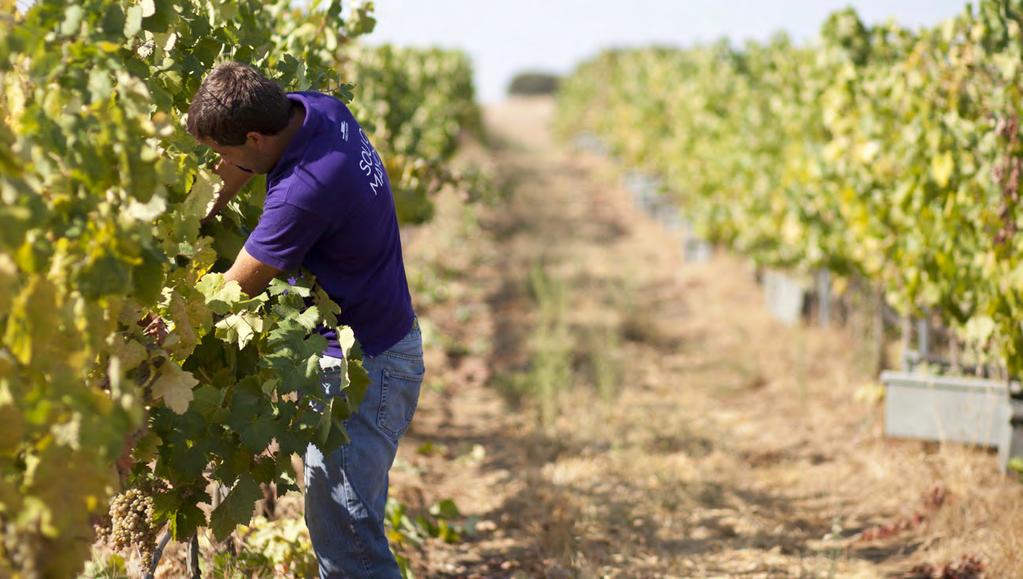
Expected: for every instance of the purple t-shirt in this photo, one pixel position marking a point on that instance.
(329, 208)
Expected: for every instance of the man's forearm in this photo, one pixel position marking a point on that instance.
(224, 196)
(251, 274)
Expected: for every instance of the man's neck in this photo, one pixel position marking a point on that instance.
(294, 125)
(285, 137)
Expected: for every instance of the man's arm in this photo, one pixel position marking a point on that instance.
(250, 273)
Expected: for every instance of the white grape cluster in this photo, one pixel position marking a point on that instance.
(131, 524)
(22, 551)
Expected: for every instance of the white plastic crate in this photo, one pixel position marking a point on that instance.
(954, 409)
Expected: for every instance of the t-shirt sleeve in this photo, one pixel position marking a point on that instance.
(284, 235)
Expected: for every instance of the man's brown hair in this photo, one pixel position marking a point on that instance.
(234, 100)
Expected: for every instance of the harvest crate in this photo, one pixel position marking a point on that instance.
(697, 250)
(591, 143)
(953, 409)
(784, 297)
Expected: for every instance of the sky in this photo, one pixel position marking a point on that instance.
(504, 37)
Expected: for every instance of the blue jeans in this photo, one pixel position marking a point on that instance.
(346, 491)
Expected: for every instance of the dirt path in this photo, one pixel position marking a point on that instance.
(689, 434)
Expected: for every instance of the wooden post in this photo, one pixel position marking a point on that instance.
(907, 354)
(824, 297)
(881, 354)
(158, 554)
(923, 337)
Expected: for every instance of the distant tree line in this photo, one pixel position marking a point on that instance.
(533, 83)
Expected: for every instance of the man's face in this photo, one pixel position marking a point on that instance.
(248, 157)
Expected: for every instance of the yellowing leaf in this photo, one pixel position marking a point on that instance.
(72, 20)
(147, 211)
(869, 150)
(11, 428)
(187, 317)
(979, 329)
(33, 321)
(133, 21)
(8, 282)
(129, 352)
(346, 339)
(240, 328)
(220, 294)
(942, 167)
(175, 387)
(201, 196)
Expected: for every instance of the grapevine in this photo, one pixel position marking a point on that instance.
(877, 152)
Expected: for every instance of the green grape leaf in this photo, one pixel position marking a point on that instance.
(256, 435)
(358, 384)
(14, 223)
(328, 420)
(148, 278)
(446, 509)
(185, 521)
(329, 310)
(220, 295)
(1016, 465)
(113, 24)
(309, 318)
(147, 448)
(239, 328)
(157, 16)
(278, 287)
(207, 50)
(104, 275)
(207, 402)
(236, 508)
(227, 242)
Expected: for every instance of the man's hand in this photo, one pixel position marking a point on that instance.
(234, 179)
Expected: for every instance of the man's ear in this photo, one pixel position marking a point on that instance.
(256, 139)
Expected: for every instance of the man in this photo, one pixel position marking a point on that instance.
(329, 208)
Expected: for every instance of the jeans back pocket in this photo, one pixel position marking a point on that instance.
(399, 396)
